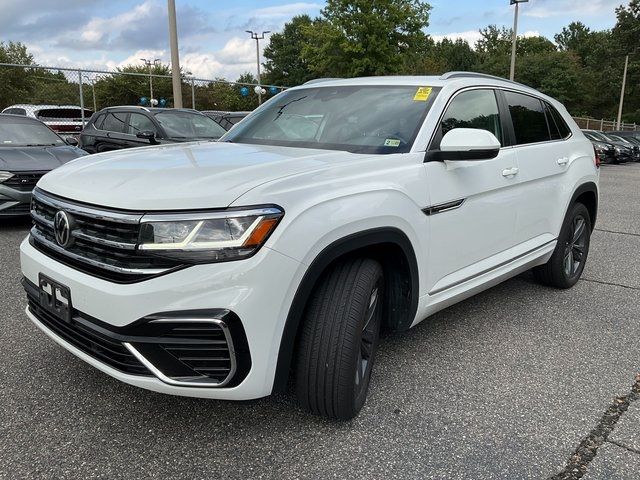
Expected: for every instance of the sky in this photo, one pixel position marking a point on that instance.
(105, 34)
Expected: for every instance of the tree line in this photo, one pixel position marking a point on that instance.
(581, 67)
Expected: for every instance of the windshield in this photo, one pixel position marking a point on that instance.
(361, 119)
(598, 136)
(188, 125)
(27, 134)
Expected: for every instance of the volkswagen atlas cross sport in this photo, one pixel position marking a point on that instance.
(339, 207)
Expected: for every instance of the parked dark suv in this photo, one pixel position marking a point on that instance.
(114, 128)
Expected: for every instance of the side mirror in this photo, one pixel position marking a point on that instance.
(73, 141)
(468, 144)
(147, 135)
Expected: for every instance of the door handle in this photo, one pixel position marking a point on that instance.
(510, 172)
(562, 161)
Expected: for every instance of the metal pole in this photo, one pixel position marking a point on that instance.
(258, 65)
(624, 84)
(512, 72)
(175, 57)
(150, 85)
(93, 90)
(81, 97)
(193, 94)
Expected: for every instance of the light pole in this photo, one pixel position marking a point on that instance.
(517, 3)
(175, 57)
(624, 85)
(257, 38)
(149, 63)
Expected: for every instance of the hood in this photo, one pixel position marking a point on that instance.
(21, 159)
(181, 176)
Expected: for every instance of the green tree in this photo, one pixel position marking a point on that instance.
(364, 37)
(285, 64)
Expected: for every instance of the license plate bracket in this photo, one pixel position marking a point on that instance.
(55, 298)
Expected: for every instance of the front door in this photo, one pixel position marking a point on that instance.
(472, 203)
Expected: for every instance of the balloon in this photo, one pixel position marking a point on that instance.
(273, 90)
(154, 102)
(257, 89)
(163, 102)
(244, 91)
(143, 100)
(263, 91)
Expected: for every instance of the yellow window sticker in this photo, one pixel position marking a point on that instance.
(391, 142)
(422, 95)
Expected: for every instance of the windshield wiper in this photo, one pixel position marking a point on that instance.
(282, 107)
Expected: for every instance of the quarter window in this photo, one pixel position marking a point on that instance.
(473, 109)
(529, 120)
(557, 125)
(140, 123)
(115, 122)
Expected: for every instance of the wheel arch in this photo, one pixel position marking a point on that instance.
(587, 194)
(393, 249)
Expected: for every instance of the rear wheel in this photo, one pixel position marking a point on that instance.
(339, 339)
(565, 266)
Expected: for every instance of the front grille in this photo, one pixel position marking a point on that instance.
(17, 209)
(104, 241)
(24, 181)
(100, 347)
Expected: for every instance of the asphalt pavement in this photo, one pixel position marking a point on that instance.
(521, 381)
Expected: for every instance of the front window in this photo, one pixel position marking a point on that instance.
(26, 134)
(359, 119)
(185, 125)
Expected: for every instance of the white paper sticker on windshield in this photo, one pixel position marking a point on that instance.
(391, 142)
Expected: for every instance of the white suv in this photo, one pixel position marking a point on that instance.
(338, 208)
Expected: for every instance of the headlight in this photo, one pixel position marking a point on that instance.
(4, 176)
(210, 236)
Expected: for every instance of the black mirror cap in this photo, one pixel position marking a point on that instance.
(73, 141)
(463, 155)
(146, 134)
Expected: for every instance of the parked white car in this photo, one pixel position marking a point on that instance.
(65, 120)
(337, 208)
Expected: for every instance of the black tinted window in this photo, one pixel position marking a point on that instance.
(473, 109)
(140, 123)
(16, 111)
(557, 125)
(529, 121)
(114, 122)
(97, 123)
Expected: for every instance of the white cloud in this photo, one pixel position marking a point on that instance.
(552, 8)
(287, 10)
(97, 29)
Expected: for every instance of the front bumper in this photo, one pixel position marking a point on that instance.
(257, 290)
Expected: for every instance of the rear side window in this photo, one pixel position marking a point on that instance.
(16, 111)
(68, 114)
(558, 127)
(473, 109)
(140, 123)
(529, 120)
(115, 122)
(97, 123)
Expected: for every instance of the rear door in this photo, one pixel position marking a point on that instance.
(472, 203)
(113, 135)
(544, 156)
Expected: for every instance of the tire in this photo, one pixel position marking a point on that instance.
(339, 338)
(564, 268)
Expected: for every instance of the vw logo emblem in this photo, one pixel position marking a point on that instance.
(62, 228)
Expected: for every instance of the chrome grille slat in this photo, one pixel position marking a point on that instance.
(104, 242)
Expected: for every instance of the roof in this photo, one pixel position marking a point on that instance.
(150, 109)
(32, 106)
(461, 79)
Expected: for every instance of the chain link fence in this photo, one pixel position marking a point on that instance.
(65, 98)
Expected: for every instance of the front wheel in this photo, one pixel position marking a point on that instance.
(339, 338)
(565, 266)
